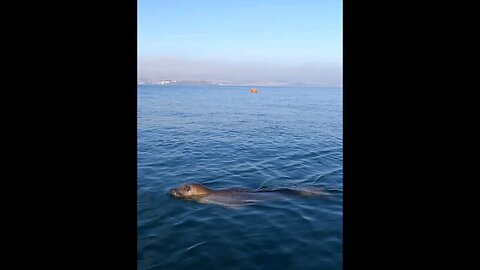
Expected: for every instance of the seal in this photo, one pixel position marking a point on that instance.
(236, 196)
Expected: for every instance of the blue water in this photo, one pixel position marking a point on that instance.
(228, 137)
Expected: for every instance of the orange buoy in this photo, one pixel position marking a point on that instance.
(253, 90)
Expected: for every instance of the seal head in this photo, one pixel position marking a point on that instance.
(190, 191)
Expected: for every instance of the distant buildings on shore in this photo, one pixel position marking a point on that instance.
(155, 82)
(222, 83)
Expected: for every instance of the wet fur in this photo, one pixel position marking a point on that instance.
(236, 196)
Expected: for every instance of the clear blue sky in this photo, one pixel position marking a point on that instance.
(294, 32)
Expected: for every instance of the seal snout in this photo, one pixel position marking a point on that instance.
(175, 193)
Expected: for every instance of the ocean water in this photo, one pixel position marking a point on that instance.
(225, 136)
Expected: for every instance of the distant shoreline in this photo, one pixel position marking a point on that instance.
(234, 85)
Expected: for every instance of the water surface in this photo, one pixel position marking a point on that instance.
(224, 137)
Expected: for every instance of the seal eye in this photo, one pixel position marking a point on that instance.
(186, 188)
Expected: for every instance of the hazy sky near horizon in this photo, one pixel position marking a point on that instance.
(241, 40)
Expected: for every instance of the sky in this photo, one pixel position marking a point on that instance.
(241, 40)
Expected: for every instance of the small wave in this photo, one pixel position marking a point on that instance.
(196, 245)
